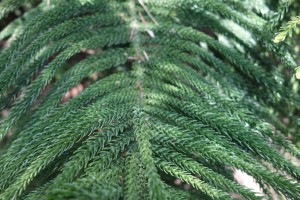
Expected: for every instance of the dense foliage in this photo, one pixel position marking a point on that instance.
(187, 89)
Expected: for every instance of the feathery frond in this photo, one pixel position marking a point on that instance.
(176, 89)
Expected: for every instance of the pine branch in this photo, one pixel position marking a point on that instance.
(173, 92)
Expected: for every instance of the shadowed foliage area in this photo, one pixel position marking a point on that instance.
(170, 89)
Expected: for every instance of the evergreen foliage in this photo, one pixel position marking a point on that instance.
(287, 30)
(185, 89)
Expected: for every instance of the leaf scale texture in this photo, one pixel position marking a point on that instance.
(176, 90)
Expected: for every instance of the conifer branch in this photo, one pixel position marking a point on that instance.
(173, 93)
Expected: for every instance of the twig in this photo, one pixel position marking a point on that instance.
(147, 11)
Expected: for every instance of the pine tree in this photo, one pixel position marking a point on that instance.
(186, 89)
